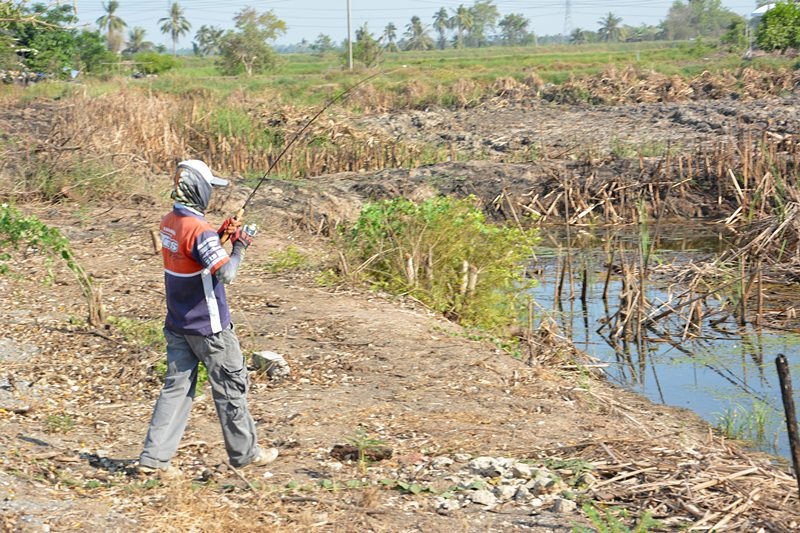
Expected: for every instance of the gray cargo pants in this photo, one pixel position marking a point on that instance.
(227, 373)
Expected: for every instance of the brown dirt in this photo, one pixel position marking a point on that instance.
(77, 400)
(362, 363)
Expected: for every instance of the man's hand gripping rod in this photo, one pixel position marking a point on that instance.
(237, 218)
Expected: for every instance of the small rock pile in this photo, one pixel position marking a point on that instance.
(495, 481)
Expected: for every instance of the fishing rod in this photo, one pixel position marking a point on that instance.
(240, 213)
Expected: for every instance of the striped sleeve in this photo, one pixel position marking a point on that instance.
(208, 251)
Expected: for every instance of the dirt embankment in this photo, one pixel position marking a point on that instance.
(366, 369)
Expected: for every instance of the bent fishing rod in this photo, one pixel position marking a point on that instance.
(240, 213)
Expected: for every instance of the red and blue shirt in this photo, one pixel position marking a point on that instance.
(192, 252)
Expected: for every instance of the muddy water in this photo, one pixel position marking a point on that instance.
(727, 375)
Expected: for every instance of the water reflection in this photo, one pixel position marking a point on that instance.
(722, 371)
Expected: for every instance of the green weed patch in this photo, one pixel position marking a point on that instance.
(444, 253)
(18, 231)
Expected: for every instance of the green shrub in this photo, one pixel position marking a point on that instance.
(780, 27)
(18, 231)
(287, 259)
(146, 333)
(59, 423)
(155, 63)
(614, 520)
(444, 253)
(232, 121)
(78, 180)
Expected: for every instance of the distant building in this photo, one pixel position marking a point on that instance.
(752, 26)
(756, 14)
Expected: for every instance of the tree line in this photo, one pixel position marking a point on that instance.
(44, 37)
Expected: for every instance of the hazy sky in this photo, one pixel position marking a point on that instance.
(308, 18)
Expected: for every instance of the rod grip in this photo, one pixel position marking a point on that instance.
(237, 217)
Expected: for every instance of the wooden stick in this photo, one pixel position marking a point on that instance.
(626, 475)
(513, 210)
(156, 241)
(791, 417)
(760, 309)
(239, 475)
(610, 258)
(713, 482)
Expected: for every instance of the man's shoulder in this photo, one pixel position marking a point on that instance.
(187, 221)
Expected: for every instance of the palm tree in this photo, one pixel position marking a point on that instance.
(462, 21)
(441, 23)
(417, 37)
(175, 24)
(136, 42)
(610, 29)
(208, 39)
(112, 25)
(578, 36)
(389, 37)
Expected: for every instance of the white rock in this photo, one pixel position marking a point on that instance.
(461, 457)
(483, 497)
(543, 476)
(505, 492)
(471, 483)
(447, 504)
(542, 486)
(536, 503)
(480, 464)
(564, 506)
(273, 363)
(441, 462)
(522, 471)
(536, 488)
(505, 462)
(522, 494)
(486, 466)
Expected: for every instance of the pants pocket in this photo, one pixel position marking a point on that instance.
(236, 381)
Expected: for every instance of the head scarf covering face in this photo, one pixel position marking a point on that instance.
(192, 190)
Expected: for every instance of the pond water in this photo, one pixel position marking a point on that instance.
(727, 374)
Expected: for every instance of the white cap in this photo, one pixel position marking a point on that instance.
(202, 169)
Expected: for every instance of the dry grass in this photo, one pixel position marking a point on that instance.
(181, 506)
(634, 85)
(707, 487)
(132, 131)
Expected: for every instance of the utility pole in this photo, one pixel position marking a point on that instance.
(349, 40)
(568, 19)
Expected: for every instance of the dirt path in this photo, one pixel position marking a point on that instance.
(76, 402)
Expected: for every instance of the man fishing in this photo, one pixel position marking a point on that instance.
(198, 327)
